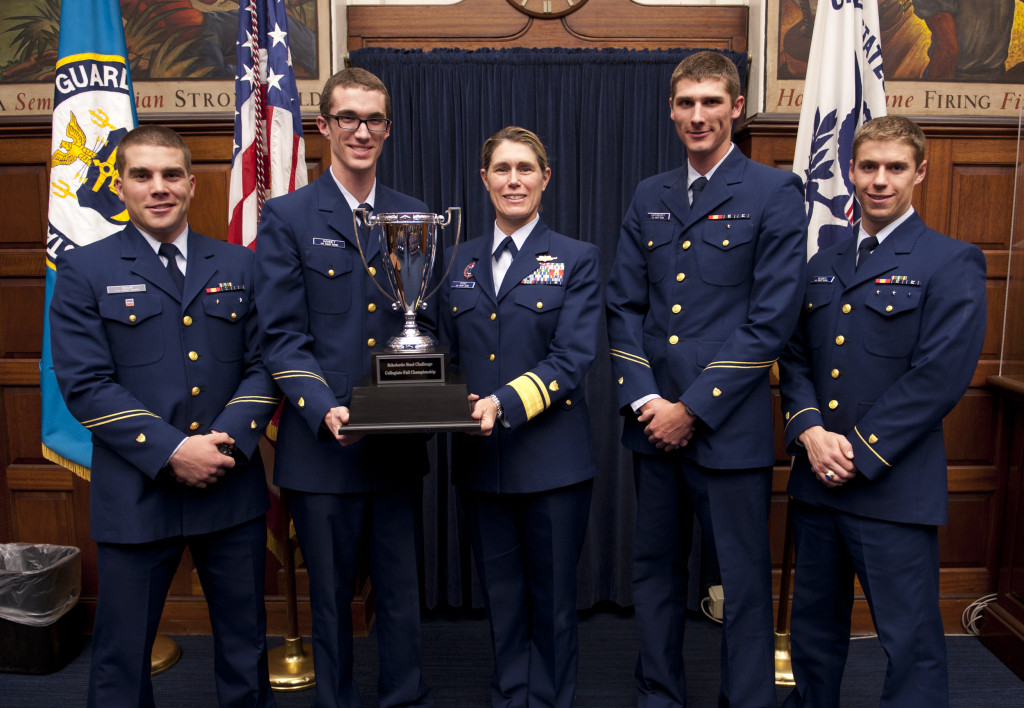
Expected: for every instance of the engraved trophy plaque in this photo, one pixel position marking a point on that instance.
(410, 388)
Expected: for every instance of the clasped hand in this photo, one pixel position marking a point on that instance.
(198, 462)
(667, 425)
(830, 455)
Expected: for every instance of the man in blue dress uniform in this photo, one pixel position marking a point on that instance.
(154, 339)
(320, 319)
(890, 332)
(703, 295)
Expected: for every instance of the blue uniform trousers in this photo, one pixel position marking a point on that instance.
(134, 580)
(526, 548)
(732, 506)
(329, 527)
(898, 568)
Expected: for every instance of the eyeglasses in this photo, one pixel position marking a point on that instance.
(350, 122)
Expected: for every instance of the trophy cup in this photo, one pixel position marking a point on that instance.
(410, 387)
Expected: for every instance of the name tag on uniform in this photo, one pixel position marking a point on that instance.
(332, 242)
(823, 279)
(116, 289)
(463, 284)
(659, 215)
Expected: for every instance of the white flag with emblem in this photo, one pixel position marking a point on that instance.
(844, 88)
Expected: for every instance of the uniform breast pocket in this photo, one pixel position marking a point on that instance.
(540, 298)
(893, 321)
(329, 279)
(462, 300)
(655, 239)
(727, 253)
(134, 328)
(816, 297)
(225, 315)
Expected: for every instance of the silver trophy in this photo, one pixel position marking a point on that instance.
(408, 245)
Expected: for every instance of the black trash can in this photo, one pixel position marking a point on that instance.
(40, 626)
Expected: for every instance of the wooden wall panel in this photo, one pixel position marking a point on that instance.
(24, 185)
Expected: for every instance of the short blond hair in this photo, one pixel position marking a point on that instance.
(891, 129)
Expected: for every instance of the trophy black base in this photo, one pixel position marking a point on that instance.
(410, 408)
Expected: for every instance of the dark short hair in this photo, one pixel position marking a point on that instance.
(892, 129)
(700, 66)
(351, 77)
(154, 135)
(514, 134)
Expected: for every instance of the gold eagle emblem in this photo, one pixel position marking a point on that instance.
(74, 148)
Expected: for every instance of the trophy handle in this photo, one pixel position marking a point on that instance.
(455, 247)
(359, 214)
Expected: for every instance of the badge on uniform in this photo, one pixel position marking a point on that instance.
(822, 279)
(117, 289)
(225, 288)
(332, 242)
(659, 215)
(898, 280)
(468, 271)
(549, 273)
(716, 217)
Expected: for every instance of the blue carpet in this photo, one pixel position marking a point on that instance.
(457, 665)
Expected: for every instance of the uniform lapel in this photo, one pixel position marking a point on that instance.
(201, 267)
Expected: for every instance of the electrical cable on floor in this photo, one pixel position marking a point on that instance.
(704, 603)
(972, 613)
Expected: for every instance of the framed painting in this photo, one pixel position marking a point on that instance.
(942, 57)
(181, 54)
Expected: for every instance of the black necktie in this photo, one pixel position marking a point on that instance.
(697, 187)
(865, 248)
(170, 252)
(507, 243)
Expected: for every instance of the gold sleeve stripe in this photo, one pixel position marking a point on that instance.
(117, 416)
(255, 399)
(630, 357)
(531, 392)
(127, 414)
(868, 445)
(722, 365)
(793, 417)
(745, 363)
(298, 374)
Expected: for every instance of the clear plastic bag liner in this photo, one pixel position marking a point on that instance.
(39, 583)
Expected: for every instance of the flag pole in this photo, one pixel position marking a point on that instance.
(291, 667)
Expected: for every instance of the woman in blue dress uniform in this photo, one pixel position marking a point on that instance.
(524, 304)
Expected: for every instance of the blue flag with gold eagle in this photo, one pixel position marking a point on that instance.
(93, 108)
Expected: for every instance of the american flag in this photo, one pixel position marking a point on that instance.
(269, 155)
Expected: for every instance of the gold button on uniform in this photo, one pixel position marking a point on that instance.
(810, 306)
(371, 307)
(725, 242)
(193, 356)
(187, 321)
(681, 277)
(847, 308)
(872, 439)
(494, 315)
(888, 308)
(716, 392)
(676, 309)
(331, 272)
(195, 390)
(193, 425)
(835, 373)
(840, 339)
(568, 402)
(234, 316)
(491, 357)
(371, 342)
(372, 271)
(686, 245)
(833, 404)
(787, 415)
(650, 243)
(540, 305)
(131, 318)
(673, 339)
(454, 309)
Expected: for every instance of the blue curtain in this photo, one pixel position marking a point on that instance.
(603, 116)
